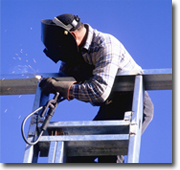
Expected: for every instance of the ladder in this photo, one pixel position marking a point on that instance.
(94, 138)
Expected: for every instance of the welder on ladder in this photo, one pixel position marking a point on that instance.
(93, 58)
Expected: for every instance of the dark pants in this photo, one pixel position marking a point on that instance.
(115, 110)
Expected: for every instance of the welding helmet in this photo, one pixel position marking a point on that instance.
(59, 42)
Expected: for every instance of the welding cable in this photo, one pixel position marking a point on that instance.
(23, 124)
(52, 104)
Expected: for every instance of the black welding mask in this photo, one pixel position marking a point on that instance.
(59, 42)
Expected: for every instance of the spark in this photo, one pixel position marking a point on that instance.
(14, 58)
(38, 77)
(34, 60)
(9, 88)
(13, 72)
(16, 54)
(19, 58)
(21, 51)
(19, 96)
(27, 61)
(19, 117)
(31, 28)
(29, 66)
(5, 111)
(3, 79)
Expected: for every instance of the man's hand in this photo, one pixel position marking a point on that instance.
(47, 85)
(51, 85)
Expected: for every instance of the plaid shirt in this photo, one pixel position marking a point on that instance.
(107, 56)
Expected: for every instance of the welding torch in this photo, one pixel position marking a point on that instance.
(51, 105)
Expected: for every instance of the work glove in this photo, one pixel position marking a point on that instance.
(52, 85)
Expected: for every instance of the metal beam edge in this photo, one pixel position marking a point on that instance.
(154, 79)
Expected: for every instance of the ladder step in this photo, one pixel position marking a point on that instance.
(89, 127)
(88, 137)
(89, 145)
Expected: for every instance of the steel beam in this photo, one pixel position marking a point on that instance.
(154, 79)
(18, 86)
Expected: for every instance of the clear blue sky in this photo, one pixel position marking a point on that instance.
(143, 26)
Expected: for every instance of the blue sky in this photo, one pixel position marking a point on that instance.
(143, 26)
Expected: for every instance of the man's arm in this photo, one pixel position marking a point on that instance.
(80, 72)
(97, 89)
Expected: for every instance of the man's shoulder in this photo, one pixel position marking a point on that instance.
(105, 38)
(101, 40)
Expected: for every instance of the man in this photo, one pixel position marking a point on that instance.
(103, 56)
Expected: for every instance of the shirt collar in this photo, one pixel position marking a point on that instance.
(89, 37)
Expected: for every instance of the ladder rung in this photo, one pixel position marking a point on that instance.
(80, 145)
(89, 127)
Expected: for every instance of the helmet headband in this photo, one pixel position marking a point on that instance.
(66, 27)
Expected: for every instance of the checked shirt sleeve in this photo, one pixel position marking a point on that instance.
(97, 89)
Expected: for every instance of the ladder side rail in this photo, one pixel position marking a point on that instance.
(136, 122)
(31, 152)
(52, 152)
(57, 152)
(60, 152)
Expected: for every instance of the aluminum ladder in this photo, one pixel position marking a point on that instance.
(90, 138)
(93, 138)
